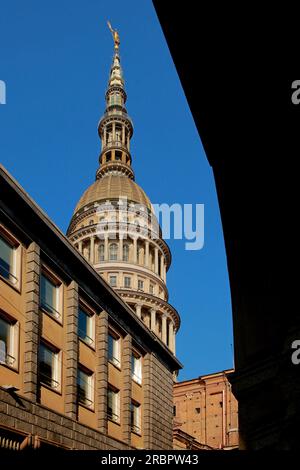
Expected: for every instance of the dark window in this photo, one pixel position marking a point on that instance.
(7, 255)
(85, 327)
(114, 349)
(85, 387)
(113, 405)
(49, 296)
(135, 415)
(48, 366)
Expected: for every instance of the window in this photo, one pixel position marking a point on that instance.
(114, 349)
(151, 289)
(135, 417)
(125, 252)
(174, 410)
(8, 265)
(127, 281)
(113, 404)
(113, 252)
(50, 296)
(101, 252)
(140, 284)
(8, 342)
(197, 410)
(85, 387)
(113, 281)
(108, 157)
(49, 366)
(136, 368)
(86, 326)
(118, 155)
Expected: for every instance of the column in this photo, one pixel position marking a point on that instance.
(101, 371)
(71, 358)
(174, 342)
(126, 389)
(80, 246)
(135, 250)
(106, 248)
(104, 137)
(162, 262)
(156, 260)
(32, 321)
(92, 250)
(114, 131)
(153, 319)
(164, 329)
(165, 272)
(138, 310)
(147, 254)
(123, 135)
(171, 336)
(120, 254)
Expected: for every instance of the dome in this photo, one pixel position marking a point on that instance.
(113, 187)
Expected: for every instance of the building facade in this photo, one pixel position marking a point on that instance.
(206, 413)
(85, 364)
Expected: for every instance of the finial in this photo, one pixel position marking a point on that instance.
(115, 35)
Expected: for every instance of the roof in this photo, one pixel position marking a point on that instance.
(113, 187)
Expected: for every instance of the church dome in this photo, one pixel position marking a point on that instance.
(113, 187)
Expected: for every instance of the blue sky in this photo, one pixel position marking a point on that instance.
(55, 59)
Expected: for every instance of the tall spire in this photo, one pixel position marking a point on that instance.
(115, 127)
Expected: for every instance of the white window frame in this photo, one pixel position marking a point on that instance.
(136, 423)
(90, 336)
(53, 279)
(115, 405)
(136, 366)
(15, 272)
(11, 353)
(142, 282)
(90, 387)
(116, 359)
(56, 372)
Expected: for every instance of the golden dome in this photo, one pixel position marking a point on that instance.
(113, 187)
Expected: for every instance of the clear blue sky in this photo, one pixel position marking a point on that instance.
(55, 59)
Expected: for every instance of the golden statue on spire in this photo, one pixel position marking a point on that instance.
(115, 35)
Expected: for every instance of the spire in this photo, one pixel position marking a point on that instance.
(115, 127)
(116, 73)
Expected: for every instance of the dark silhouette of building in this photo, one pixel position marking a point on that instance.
(229, 59)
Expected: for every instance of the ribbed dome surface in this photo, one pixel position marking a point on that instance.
(113, 187)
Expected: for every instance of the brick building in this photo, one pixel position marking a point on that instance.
(205, 413)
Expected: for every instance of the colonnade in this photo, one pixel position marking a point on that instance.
(150, 256)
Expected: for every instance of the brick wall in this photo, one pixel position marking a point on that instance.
(158, 404)
(25, 417)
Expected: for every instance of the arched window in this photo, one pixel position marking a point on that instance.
(101, 252)
(113, 252)
(125, 252)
